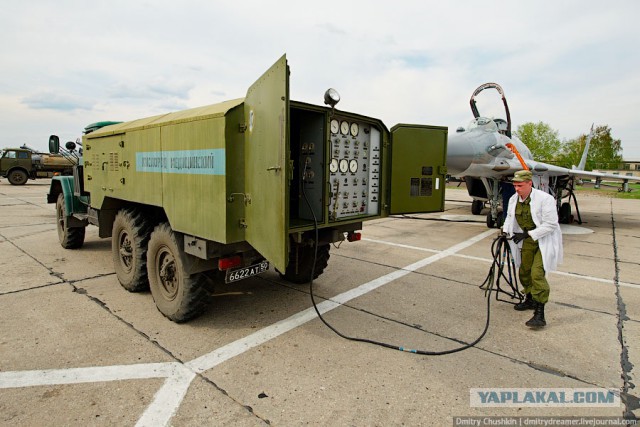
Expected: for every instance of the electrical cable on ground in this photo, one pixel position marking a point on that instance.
(501, 256)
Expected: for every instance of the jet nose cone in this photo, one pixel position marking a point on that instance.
(460, 153)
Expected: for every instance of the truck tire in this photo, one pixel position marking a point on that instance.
(17, 177)
(130, 236)
(301, 261)
(178, 295)
(69, 237)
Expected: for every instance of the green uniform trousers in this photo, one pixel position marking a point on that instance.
(532, 271)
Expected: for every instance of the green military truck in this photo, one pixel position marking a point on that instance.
(222, 191)
(21, 164)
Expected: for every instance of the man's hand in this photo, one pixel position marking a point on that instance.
(518, 237)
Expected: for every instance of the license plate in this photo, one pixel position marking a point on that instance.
(244, 272)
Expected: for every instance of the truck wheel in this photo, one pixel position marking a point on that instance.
(130, 235)
(17, 177)
(178, 295)
(300, 263)
(69, 237)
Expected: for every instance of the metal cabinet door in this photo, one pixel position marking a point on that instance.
(418, 158)
(267, 169)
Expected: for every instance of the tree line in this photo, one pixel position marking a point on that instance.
(605, 152)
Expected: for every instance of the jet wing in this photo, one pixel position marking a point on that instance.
(540, 168)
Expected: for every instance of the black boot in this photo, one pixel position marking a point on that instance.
(537, 321)
(527, 304)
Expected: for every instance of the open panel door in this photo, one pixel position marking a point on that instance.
(266, 151)
(418, 158)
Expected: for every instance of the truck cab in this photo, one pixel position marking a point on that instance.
(20, 164)
(16, 165)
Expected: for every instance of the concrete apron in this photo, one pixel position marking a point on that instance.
(81, 350)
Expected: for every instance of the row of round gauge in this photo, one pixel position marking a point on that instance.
(344, 127)
(343, 166)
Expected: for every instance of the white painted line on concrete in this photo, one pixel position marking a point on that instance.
(167, 400)
(88, 375)
(218, 356)
(597, 279)
(210, 360)
(179, 377)
(231, 350)
(488, 260)
(464, 218)
(400, 245)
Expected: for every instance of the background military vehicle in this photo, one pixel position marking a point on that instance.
(223, 190)
(20, 164)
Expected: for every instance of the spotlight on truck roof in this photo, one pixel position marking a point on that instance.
(331, 97)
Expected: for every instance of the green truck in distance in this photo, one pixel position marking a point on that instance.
(21, 164)
(220, 192)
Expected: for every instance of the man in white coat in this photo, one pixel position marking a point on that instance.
(532, 222)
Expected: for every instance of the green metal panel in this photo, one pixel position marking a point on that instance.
(235, 175)
(128, 180)
(72, 204)
(110, 167)
(194, 177)
(267, 167)
(418, 158)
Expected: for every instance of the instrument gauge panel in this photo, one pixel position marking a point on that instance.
(344, 127)
(355, 129)
(354, 164)
(333, 166)
(335, 126)
(344, 165)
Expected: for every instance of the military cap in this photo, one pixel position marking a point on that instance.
(523, 175)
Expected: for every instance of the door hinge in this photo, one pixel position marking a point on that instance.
(242, 128)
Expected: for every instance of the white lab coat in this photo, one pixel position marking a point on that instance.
(547, 232)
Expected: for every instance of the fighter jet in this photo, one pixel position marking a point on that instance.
(486, 154)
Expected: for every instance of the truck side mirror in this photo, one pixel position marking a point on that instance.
(54, 144)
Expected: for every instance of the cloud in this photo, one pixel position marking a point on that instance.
(332, 29)
(568, 65)
(57, 101)
(157, 89)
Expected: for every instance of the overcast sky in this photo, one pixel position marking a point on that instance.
(65, 64)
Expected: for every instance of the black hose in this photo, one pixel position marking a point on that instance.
(502, 257)
(498, 259)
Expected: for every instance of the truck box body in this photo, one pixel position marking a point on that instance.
(177, 161)
(227, 186)
(233, 171)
